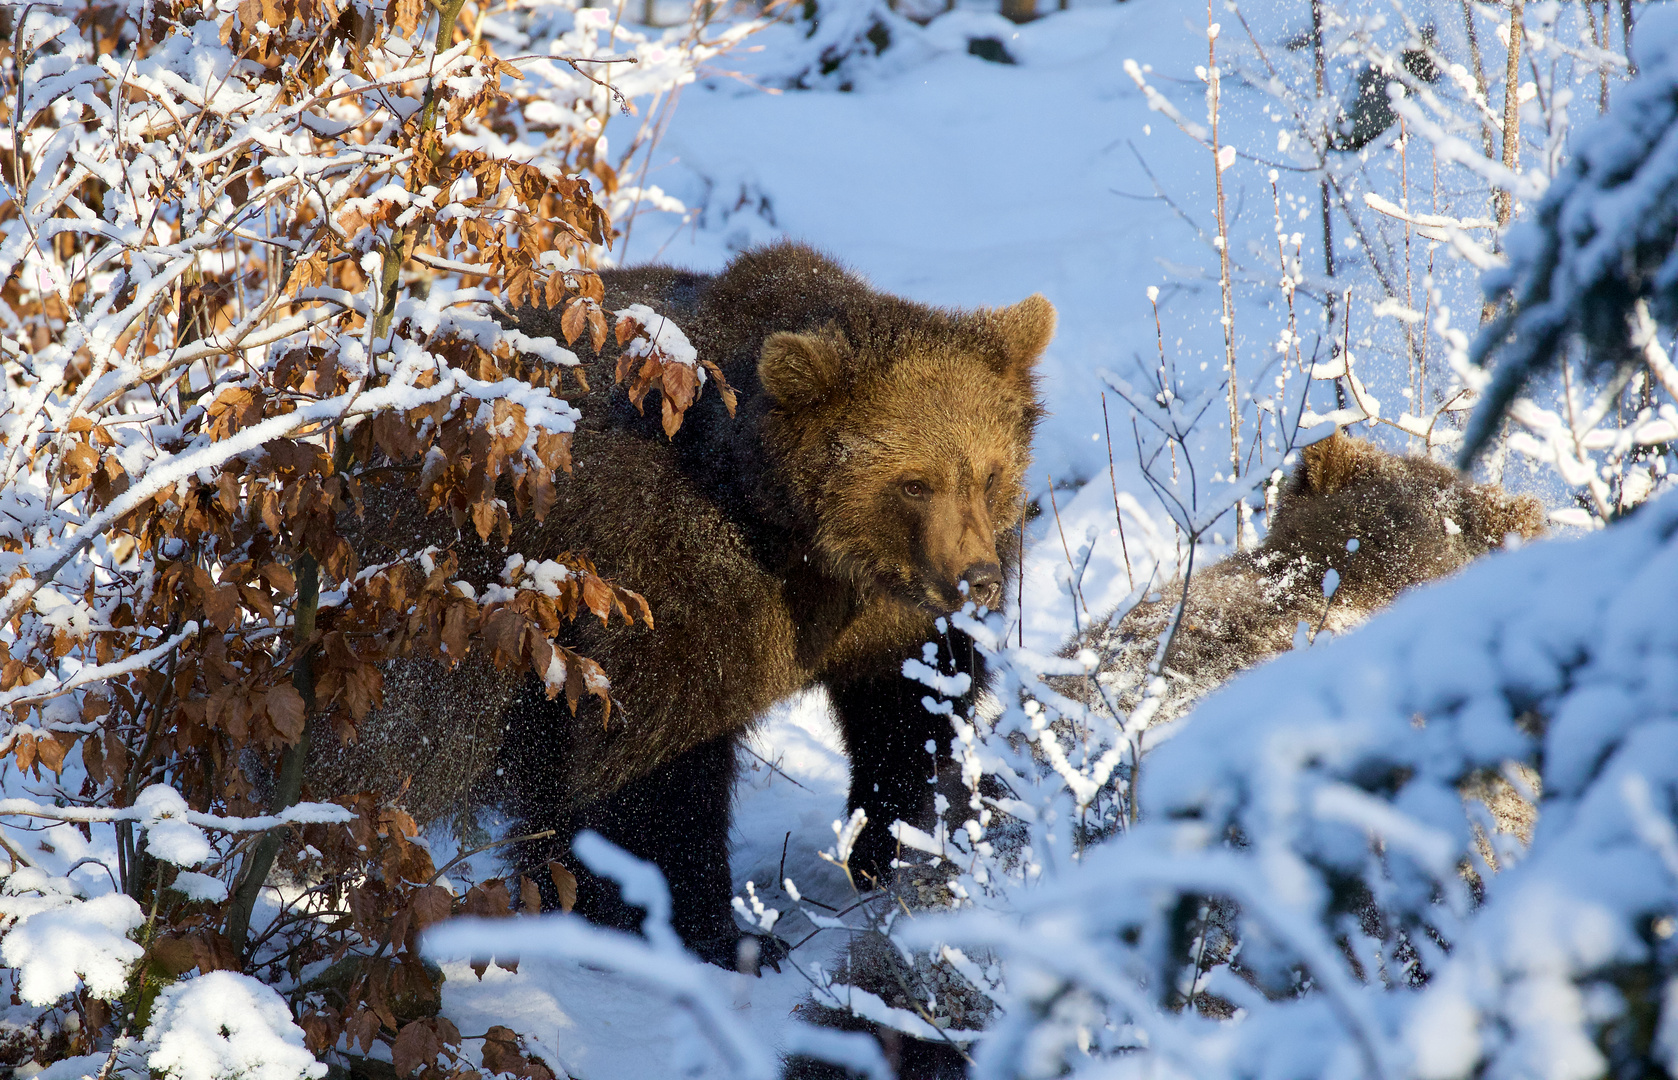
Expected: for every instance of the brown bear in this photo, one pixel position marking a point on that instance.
(1379, 522)
(869, 483)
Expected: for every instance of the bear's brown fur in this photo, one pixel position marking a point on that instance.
(1382, 522)
(874, 466)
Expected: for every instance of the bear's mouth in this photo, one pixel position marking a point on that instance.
(940, 600)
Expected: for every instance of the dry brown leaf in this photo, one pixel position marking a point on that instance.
(308, 272)
(284, 706)
(430, 904)
(80, 460)
(23, 746)
(221, 606)
(597, 326)
(565, 882)
(672, 417)
(483, 517)
(174, 954)
(416, 1046)
(405, 15)
(597, 597)
(571, 323)
(501, 1051)
(52, 747)
(530, 897)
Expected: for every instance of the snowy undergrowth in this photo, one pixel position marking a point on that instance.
(1317, 799)
(1309, 812)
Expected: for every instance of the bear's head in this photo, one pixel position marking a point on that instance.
(1384, 522)
(907, 434)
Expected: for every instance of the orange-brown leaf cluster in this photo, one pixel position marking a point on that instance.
(283, 634)
(676, 381)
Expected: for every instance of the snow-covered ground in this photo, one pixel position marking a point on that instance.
(600, 1026)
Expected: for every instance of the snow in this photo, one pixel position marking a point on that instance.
(223, 1026)
(200, 887)
(59, 942)
(663, 335)
(595, 1024)
(169, 836)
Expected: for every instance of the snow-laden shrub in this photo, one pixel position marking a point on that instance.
(706, 1031)
(1306, 866)
(58, 941)
(225, 1026)
(252, 257)
(1306, 891)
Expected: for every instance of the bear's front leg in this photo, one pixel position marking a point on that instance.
(676, 817)
(893, 777)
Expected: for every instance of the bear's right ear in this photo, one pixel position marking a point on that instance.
(1330, 465)
(798, 370)
(1025, 330)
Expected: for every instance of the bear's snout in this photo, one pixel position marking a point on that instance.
(984, 584)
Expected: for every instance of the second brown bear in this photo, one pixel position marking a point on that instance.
(1353, 527)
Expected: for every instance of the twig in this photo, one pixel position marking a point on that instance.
(1113, 474)
(1076, 593)
(573, 61)
(773, 768)
(1226, 287)
(1020, 600)
(16, 855)
(463, 856)
(1505, 201)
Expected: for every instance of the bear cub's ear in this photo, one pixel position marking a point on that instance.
(798, 370)
(1025, 330)
(1332, 463)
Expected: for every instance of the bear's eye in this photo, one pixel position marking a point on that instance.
(990, 482)
(914, 489)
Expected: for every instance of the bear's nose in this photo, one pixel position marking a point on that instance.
(984, 584)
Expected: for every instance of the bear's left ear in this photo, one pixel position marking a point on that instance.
(1025, 330)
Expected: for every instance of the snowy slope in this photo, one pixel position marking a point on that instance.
(955, 181)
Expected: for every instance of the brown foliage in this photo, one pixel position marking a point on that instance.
(677, 382)
(207, 594)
